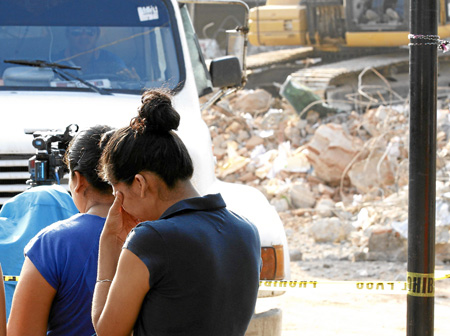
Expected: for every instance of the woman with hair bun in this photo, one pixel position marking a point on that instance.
(54, 293)
(191, 267)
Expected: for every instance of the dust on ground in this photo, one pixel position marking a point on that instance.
(348, 314)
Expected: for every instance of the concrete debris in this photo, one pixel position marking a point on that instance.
(386, 244)
(330, 151)
(370, 173)
(280, 204)
(301, 196)
(344, 176)
(296, 255)
(235, 161)
(254, 102)
(324, 207)
(330, 230)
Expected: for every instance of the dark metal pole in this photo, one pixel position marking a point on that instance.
(422, 168)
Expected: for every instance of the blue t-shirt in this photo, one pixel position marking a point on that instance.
(66, 254)
(204, 263)
(21, 218)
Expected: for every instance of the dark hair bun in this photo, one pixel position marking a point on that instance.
(156, 114)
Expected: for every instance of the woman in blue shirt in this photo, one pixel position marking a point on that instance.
(57, 280)
(21, 218)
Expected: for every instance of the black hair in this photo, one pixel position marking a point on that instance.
(84, 152)
(149, 143)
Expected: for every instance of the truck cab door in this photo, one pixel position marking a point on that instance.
(202, 77)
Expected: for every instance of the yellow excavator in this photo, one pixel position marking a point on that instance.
(347, 36)
(331, 24)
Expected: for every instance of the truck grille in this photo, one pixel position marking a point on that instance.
(13, 175)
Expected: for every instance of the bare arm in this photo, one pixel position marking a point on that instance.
(116, 304)
(31, 304)
(2, 306)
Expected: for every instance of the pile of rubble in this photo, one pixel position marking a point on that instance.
(344, 176)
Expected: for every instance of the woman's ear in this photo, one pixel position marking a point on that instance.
(80, 182)
(141, 184)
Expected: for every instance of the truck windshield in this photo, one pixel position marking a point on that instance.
(117, 45)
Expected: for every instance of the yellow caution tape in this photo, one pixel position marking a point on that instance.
(420, 284)
(7, 278)
(417, 284)
(378, 287)
(441, 275)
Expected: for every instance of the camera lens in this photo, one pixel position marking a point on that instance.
(39, 143)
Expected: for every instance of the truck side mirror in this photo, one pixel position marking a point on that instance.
(225, 72)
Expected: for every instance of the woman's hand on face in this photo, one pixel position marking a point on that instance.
(119, 222)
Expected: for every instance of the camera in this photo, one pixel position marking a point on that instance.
(47, 166)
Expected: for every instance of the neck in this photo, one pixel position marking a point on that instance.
(99, 209)
(182, 191)
(98, 204)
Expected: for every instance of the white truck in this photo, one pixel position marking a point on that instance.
(47, 83)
